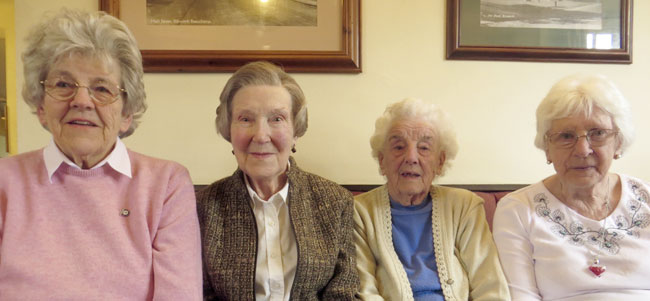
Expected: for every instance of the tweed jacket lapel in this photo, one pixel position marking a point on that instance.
(311, 218)
(230, 239)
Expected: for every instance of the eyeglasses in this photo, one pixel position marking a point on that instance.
(102, 93)
(595, 137)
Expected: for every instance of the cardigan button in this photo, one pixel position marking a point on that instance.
(125, 212)
(450, 281)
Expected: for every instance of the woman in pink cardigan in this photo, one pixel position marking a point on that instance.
(85, 218)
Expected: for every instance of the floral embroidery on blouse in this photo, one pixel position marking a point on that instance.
(606, 238)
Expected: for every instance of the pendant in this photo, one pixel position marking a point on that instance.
(596, 268)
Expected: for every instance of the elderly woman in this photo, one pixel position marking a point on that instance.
(85, 218)
(415, 240)
(272, 231)
(581, 233)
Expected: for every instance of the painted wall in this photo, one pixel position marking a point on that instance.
(492, 104)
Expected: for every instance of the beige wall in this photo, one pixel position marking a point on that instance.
(492, 103)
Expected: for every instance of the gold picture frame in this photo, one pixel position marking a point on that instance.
(345, 59)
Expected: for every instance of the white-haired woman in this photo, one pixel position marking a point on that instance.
(272, 231)
(582, 233)
(85, 218)
(416, 240)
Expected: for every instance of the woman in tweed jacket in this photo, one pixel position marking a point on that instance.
(272, 231)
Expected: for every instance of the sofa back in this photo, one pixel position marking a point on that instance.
(491, 198)
(490, 193)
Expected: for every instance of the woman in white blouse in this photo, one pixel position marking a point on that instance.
(580, 234)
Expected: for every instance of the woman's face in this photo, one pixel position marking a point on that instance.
(82, 129)
(261, 131)
(582, 165)
(410, 160)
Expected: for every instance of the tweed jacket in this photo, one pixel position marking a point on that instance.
(321, 215)
(468, 265)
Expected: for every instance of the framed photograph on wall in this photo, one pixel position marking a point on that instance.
(222, 35)
(584, 31)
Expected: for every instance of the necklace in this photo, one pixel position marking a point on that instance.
(594, 266)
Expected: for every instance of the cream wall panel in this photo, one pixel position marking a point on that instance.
(492, 104)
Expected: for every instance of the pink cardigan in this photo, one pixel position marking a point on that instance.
(72, 238)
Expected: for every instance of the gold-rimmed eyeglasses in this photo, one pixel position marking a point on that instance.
(102, 93)
(595, 137)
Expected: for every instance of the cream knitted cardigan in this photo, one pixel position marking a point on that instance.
(468, 265)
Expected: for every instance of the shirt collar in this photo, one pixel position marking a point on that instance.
(282, 194)
(118, 159)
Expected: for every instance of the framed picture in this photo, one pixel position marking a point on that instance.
(584, 31)
(222, 35)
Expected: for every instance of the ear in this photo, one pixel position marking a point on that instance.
(548, 155)
(126, 123)
(380, 159)
(619, 144)
(40, 112)
(441, 162)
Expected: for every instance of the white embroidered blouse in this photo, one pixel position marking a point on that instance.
(546, 248)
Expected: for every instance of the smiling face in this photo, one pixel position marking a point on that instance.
(261, 133)
(83, 130)
(583, 165)
(410, 160)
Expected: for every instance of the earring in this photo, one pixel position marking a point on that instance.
(548, 161)
(293, 149)
(617, 156)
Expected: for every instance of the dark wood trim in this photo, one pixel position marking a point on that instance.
(112, 7)
(488, 187)
(199, 187)
(472, 187)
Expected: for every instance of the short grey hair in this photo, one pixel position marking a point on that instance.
(257, 74)
(581, 93)
(416, 109)
(92, 34)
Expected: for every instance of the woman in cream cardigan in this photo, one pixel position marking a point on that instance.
(415, 240)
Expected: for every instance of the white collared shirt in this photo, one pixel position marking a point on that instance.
(277, 254)
(118, 159)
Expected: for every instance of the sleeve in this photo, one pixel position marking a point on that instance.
(177, 244)
(515, 249)
(201, 198)
(208, 291)
(479, 255)
(345, 281)
(366, 263)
